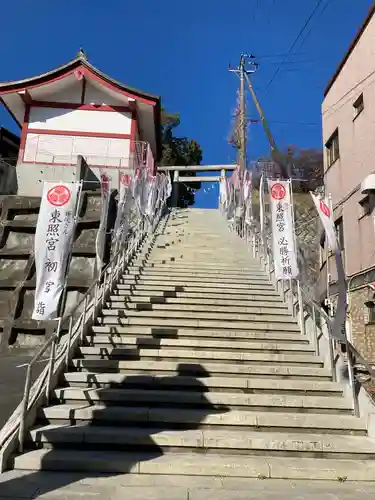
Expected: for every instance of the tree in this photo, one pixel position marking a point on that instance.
(305, 164)
(179, 151)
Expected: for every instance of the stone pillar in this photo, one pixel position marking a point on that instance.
(175, 188)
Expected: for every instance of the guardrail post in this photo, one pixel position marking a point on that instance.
(352, 380)
(96, 294)
(301, 311)
(315, 331)
(67, 353)
(282, 289)
(24, 409)
(51, 362)
(82, 332)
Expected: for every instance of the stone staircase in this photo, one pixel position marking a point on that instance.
(195, 367)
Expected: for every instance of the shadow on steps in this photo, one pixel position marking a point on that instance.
(124, 457)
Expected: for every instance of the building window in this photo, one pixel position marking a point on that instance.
(370, 311)
(366, 207)
(339, 225)
(332, 148)
(358, 106)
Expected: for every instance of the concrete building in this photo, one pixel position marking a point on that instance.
(348, 114)
(78, 110)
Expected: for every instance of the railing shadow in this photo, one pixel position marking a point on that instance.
(120, 404)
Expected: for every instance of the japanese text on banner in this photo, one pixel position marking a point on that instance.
(53, 245)
(284, 248)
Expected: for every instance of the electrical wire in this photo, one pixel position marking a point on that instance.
(312, 27)
(295, 42)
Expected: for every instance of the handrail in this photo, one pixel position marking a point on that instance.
(262, 248)
(93, 297)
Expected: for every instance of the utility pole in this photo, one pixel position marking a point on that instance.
(277, 157)
(241, 71)
(243, 121)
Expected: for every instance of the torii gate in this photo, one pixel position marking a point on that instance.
(178, 170)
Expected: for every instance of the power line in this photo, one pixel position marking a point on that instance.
(312, 27)
(272, 56)
(295, 41)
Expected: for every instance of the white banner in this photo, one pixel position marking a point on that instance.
(325, 214)
(284, 247)
(152, 196)
(261, 207)
(125, 181)
(53, 244)
(223, 190)
(247, 185)
(105, 181)
(169, 185)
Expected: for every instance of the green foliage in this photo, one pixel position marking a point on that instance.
(179, 151)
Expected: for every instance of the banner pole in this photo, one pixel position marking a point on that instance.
(75, 221)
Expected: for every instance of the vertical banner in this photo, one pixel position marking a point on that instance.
(223, 190)
(326, 216)
(261, 208)
(102, 231)
(151, 196)
(53, 244)
(169, 185)
(284, 246)
(247, 194)
(124, 188)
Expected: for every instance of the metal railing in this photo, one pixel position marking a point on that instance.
(62, 345)
(42, 148)
(313, 320)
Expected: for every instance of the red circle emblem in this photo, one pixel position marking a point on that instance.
(125, 179)
(325, 209)
(278, 191)
(58, 196)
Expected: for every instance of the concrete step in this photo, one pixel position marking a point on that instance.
(181, 419)
(203, 266)
(207, 282)
(197, 333)
(197, 291)
(117, 340)
(202, 369)
(211, 400)
(196, 270)
(162, 322)
(158, 311)
(186, 273)
(202, 299)
(196, 464)
(192, 261)
(116, 303)
(186, 355)
(205, 384)
(207, 440)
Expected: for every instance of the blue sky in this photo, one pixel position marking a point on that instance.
(181, 51)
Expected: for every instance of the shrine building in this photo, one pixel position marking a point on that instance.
(78, 110)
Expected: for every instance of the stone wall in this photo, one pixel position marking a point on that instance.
(18, 217)
(363, 332)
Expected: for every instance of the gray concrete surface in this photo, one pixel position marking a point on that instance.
(12, 380)
(17, 485)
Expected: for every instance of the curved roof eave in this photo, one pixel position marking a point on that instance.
(36, 81)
